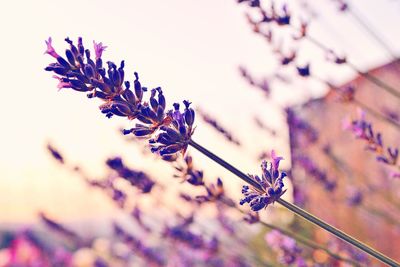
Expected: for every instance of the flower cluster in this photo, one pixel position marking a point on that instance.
(363, 129)
(172, 129)
(137, 179)
(271, 183)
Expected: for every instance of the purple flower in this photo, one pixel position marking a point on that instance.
(314, 171)
(58, 228)
(169, 130)
(252, 217)
(215, 192)
(271, 182)
(55, 153)
(263, 85)
(304, 71)
(284, 17)
(354, 196)
(137, 179)
(98, 49)
(50, 49)
(188, 173)
(252, 3)
(137, 215)
(363, 129)
(183, 235)
(175, 137)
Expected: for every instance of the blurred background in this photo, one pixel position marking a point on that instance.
(198, 50)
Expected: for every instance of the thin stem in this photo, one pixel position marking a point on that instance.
(362, 105)
(368, 29)
(301, 239)
(337, 232)
(309, 217)
(366, 75)
(377, 114)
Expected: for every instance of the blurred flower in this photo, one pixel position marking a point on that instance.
(188, 173)
(58, 228)
(271, 182)
(252, 217)
(137, 179)
(137, 215)
(304, 71)
(56, 155)
(263, 85)
(314, 171)
(183, 235)
(362, 129)
(289, 253)
(152, 256)
(215, 192)
(217, 126)
(354, 196)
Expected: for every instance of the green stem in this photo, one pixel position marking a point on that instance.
(300, 212)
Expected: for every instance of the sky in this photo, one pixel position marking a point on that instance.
(192, 49)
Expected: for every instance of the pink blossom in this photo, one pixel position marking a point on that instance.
(98, 49)
(50, 49)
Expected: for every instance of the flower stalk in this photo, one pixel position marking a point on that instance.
(298, 211)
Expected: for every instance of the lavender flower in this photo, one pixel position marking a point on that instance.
(55, 153)
(188, 173)
(363, 129)
(137, 179)
(181, 234)
(354, 196)
(314, 171)
(171, 130)
(252, 217)
(271, 182)
(137, 215)
(304, 71)
(252, 3)
(263, 85)
(58, 228)
(215, 192)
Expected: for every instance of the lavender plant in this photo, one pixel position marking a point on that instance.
(169, 131)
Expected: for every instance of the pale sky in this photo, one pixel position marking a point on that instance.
(190, 48)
